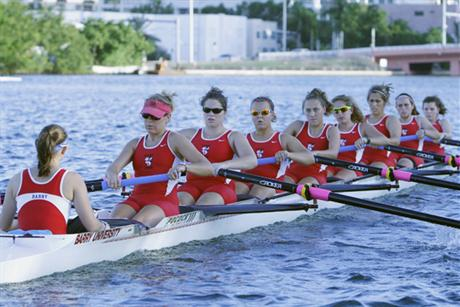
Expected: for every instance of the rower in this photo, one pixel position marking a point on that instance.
(157, 152)
(412, 124)
(266, 142)
(388, 125)
(354, 130)
(318, 137)
(434, 110)
(44, 193)
(219, 145)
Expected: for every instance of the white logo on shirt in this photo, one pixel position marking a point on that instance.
(204, 150)
(404, 131)
(148, 161)
(259, 153)
(310, 147)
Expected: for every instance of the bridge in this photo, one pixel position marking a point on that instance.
(419, 58)
(410, 59)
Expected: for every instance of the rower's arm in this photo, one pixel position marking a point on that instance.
(430, 131)
(188, 133)
(394, 127)
(375, 137)
(184, 149)
(333, 137)
(246, 156)
(446, 128)
(121, 161)
(293, 128)
(79, 196)
(294, 150)
(9, 204)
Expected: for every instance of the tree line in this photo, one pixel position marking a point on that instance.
(40, 42)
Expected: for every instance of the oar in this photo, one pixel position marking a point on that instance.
(388, 173)
(451, 160)
(248, 208)
(322, 194)
(446, 141)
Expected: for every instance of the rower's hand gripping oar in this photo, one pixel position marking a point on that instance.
(309, 193)
(445, 141)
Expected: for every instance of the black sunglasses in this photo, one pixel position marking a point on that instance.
(148, 116)
(213, 110)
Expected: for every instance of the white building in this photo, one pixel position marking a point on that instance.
(216, 36)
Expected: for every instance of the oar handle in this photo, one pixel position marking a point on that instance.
(402, 139)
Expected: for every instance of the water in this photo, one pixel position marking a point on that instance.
(340, 257)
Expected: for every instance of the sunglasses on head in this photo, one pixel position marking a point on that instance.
(341, 109)
(150, 117)
(213, 110)
(264, 112)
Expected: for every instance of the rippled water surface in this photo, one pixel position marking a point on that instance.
(339, 257)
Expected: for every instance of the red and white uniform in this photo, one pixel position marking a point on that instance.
(42, 205)
(433, 147)
(347, 138)
(377, 155)
(215, 150)
(265, 149)
(298, 171)
(410, 128)
(148, 161)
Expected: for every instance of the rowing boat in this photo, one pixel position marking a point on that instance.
(29, 256)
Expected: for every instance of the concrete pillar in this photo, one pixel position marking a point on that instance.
(454, 67)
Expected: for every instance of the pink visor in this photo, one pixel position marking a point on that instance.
(156, 108)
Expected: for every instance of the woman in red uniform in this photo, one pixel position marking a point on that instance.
(434, 109)
(158, 152)
(353, 131)
(219, 145)
(44, 193)
(388, 125)
(266, 142)
(412, 124)
(318, 137)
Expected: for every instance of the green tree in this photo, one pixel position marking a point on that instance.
(401, 34)
(65, 48)
(154, 7)
(303, 21)
(434, 35)
(17, 37)
(220, 9)
(116, 44)
(264, 10)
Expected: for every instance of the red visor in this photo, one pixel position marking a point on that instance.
(156, 108)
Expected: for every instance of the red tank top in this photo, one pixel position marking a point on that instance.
(265, 149)
(314, 143)
(433, 147)
(371, 153)
(215, 150)
(154, 160)
(348, 138)
(42, 205)
(410, 128)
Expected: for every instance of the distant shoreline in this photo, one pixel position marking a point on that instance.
(284, 72)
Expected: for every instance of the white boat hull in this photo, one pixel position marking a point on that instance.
(25, 258)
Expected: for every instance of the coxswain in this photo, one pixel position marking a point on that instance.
(42, 195)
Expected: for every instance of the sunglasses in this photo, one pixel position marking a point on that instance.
(150, 117)
(264, 112)
(342, 109)
(213, 110)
